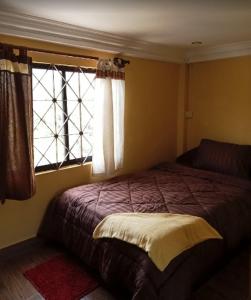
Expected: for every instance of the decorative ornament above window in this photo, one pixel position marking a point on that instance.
(111, 68)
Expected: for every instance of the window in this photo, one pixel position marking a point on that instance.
(63, 103)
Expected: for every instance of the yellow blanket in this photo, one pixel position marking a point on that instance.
(162, 235)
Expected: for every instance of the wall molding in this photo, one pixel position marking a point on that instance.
(27, 26)
(204, 53)
(32, 27)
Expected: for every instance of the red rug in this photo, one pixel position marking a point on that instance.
(61, 278)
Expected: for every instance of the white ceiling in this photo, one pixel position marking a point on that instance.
(170, 22)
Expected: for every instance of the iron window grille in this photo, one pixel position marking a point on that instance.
(63, 103)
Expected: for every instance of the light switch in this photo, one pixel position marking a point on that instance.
(188, 114)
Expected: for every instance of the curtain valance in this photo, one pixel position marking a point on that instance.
(107, 68)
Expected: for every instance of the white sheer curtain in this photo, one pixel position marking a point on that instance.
(108, 137)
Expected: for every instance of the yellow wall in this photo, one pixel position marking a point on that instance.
(157, 95)
(181, 108)
(220, 98)
(150, 135)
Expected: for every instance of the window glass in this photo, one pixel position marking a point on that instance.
(63, 103)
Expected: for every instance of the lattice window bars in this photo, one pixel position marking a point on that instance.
(63, 100)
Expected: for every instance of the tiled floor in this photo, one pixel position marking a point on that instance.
(14, 286)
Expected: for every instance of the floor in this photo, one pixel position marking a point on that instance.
(234, 279)
(13, 262)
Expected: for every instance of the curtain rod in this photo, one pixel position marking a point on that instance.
(50, 52)
(57, 52)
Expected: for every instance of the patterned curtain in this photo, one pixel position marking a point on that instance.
(108, 143)
(17, 178)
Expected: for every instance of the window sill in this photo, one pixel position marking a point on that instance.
(73, 166)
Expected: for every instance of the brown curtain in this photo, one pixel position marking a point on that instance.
(17, 178)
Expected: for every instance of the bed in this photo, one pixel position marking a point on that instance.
(231, 282)
(222, 198)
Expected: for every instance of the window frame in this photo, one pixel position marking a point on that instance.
(68, 161)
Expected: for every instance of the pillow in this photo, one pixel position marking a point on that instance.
(226, 158)
(188, 158)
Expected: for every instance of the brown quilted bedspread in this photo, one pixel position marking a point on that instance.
(224, 201)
